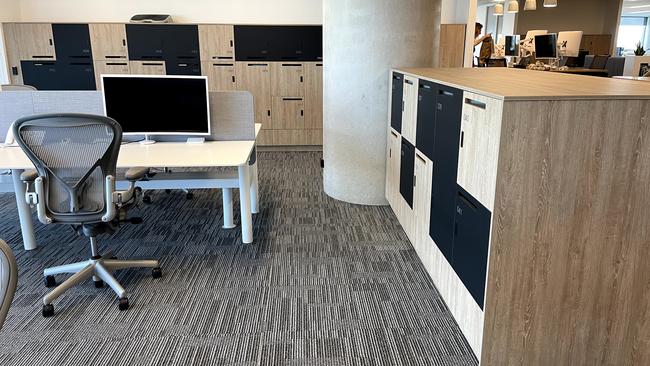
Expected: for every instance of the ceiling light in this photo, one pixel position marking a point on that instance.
(550, 3)
(513, 6)
(530, 5)
(498, 9)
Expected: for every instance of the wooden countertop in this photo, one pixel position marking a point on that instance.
(520, 84)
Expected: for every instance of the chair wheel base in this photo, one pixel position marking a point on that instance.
(147, 199)
(99, 284)
(50, 281)
(123, 304)
(48, 310)
(189, 196)
(156, 272)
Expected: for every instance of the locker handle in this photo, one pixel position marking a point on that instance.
(393, 133)
(50, 41)
(288, 99)
(301, 79)
(42, 56)
(182, 65)
(123, 42)
(414, 179)
(291, 65)
(231, 43)
(14, 70)
(152, 64)
(425, 86)
(446, 93)
(233, 79)
(420, 158)
(116, 64)
(408, 81)
(475, 103)
(257, 65)
(222, 57)
(302, 112)
(109, 56)
(223, 65)
(467, 201)
(390, 153)
(321, 65)
(396, 77)
(462, 139)
(268, 112)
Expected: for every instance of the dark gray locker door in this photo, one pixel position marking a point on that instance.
(448, 105)
(397, 102)
(76, 76)
(426, 121)
(181, 42)
(407, 167)
(145, 41)
(253, 42)
(471, 244)
(43, 75)
(72, 42)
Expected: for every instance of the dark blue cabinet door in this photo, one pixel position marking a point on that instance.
(471, 242)
(396, 102)
(426, 121)
(181, 42)
(407, 165)
(448, 109)
(312, 36)
(72, 42)
(278, 43)
(145, 41)
(76, 76)
(176, 67)
(252, 42)
(43, 75)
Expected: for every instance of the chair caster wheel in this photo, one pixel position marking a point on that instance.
(50, 281)
(146, 199)
(124, 304)
(156, 272)
(189, 196)
(48, 310)
(99, 284)
(168, 191)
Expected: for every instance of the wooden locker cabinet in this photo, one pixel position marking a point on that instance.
(221, 75)
(287, 79)
(147, 68)
(35, 40)
(422, 201)
(392, 167)
(479, 146)
(256, 78)
(314, 95)
(217, 42)
(410, 108)
(108, 41)
(288, 113)
(397, 101)
(108, 68)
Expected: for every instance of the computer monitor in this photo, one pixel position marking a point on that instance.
(158, 104)
(511, 46)
(546, 46)
(529, 42)
(569, 43)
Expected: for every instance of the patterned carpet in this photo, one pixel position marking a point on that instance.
(325, 283)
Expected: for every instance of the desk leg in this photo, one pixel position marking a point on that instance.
(245, 204)
(254, 190)
(24, 212)
(227, 208)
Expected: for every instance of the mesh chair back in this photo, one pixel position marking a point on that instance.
(8, 279)
(74, 153)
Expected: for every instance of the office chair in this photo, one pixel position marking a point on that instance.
(16, 87)
(599, 62)
(75, 156)
(8, 280)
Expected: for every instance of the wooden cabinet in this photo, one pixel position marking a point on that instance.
(479, 146)
(147, 67)
(287, 79)
(410, 108)
(221, 75)
(256, 78)
(392, 167)
(217, 42)
(108, 41)
(288, 113)
(597, 44)
(422, 202)
(313, 95)
(109, 68)
(35, 41)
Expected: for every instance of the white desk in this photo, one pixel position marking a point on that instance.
(160, 155)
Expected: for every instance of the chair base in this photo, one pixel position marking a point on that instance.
(101, 270)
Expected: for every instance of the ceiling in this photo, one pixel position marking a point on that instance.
(636, 7)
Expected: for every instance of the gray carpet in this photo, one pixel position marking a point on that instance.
(325, 283)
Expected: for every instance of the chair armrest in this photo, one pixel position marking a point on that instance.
(136, 174)
(29, 175)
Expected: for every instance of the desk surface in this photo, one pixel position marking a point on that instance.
(517, 84)
(582, 70)
(160, 155)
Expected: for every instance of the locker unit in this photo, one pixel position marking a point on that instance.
(426, 117)
(278, 43)
(287, 79)
(217, 42)
(392, 167)
(407, 166)
(145, 42)
(410, 109)
(72, 42)
(397, 101)
(147, 68)
(313, 95)
(109, 68)
(43, 75)
(288, 113)
(108, 41)
(256, 78)
(53, 75)
(221, 75)
(35, 41)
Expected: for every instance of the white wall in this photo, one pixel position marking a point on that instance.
(212, 11)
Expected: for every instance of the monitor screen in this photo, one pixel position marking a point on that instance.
(546, 46)
(512, 46)
(158, 105)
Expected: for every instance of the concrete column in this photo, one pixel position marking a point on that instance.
(363, 40)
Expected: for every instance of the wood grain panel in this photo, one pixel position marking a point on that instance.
(392, 167)
(108, 41)
(256, 78)
(35, 41)
(287, 79)
(410, 108)
(452, 45)
(217, 42)
(569, 282)
(479, 152)
(221, 75)
(12, 47)
(290, 138)
(288, 113)
(147, 67)
(314, 95)
(108, 68)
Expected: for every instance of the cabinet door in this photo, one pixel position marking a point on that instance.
(43, 75)
(393, 156)
(445, 166)
(221, 76)
(180, 42)
(109, 68)
(36, 41)
(76, 76)
(253, 42)
(145, 42)
(409, 115)
(147, 68)
(471, 244)
(256, 79)
(407, 165)
(312, 39)
(108, 41)
(479, 146)
(182, 67)
(72, 42)
(397, 102)
(287, 79)
(313, 95)
(216, 42)
(426, 117)
(422, 201)
(288, 113)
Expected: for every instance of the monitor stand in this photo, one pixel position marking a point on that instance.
(195, 140)
(147, 141)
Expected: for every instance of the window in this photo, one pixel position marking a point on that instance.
(632, 31)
